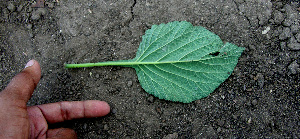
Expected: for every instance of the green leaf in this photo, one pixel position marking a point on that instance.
(180, 62)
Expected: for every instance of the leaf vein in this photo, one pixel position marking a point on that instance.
(154, 80)
(167, 79)
(165, 43)
(154, 41)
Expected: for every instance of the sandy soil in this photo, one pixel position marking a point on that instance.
(260, 99)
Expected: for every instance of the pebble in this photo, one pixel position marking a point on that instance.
(278, 5)
(150, 99)
(105, 127)
(254, 102)
(129, 83)
(291, 16)
(29, 26)
(294, 67)
(286, 33)
(11, 7)
(171, 136)
(295, 28)
(266, 30)
(283, 45)
(5, 13)
(19, 9)
(113, 111)
(260, 80)
(278, 17)
(36, 15)
(297, 37)
(221, 122)
(84, 126)
(31, 35)
(287, 22)
(293, 44)
(50, 4)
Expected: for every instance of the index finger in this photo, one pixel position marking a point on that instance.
(68, 110)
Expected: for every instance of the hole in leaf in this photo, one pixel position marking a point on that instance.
(215, 53)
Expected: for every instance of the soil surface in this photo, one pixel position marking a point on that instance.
(259, 100)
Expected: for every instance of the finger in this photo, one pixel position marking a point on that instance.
(61, 111)
(22, 85)
(61, 133)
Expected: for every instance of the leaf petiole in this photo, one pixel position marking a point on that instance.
(118, 63)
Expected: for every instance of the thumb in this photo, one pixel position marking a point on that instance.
(61, 133)
(23, 84)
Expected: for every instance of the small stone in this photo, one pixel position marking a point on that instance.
(295, 28)
(293, 44)
(266, 30)
(50, 4)
(5, 13)
(278, 17)
(19, 9)
(105, 127)
(31, 35)
(129, 83)
(249, 120)
(297, 37)
(11, 7)
(97, 76)
(279, 5)
(254, 102)
(235, 117)
(29, 26)
(287, 22)
(39, 4)
(85, 126)
(283, 45)
(30, 9)
(286, 33)
(42, 11)
(113, 111)
(248, 104)
(219, 129)
(277, 31)
(171, 136)
(221, 122)
(291, 16)
(294, 67)
(36, 15)
(260, 80)
(222, 96)
(150, 99)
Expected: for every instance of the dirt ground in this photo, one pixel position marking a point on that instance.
(260, 99)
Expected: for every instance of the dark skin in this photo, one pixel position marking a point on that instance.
(18, 121)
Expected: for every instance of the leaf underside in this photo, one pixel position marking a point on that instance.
(179, 62)
(183, 62)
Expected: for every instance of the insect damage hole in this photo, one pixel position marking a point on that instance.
(215, 53)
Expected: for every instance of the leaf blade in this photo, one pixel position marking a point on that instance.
(184, 69)
(179, 62)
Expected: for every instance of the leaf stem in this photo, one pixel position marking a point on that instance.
(117, 63)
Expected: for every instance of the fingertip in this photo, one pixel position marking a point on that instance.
(22, 85)
(96, 108)
(33, 67)
(30, 63)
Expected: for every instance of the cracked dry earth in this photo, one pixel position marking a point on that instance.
(259, 100)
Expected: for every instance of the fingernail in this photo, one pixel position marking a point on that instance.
(29, 64)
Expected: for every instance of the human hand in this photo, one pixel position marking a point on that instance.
(19, 121)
